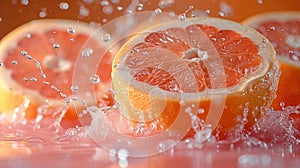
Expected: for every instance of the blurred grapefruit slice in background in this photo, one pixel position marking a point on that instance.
(282, 28)
(184, 66)
(37, 62)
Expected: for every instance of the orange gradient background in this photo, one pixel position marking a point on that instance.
(13, 13)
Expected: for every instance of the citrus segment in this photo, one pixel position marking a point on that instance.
(282, 28)
(180, 64)
(38, 61)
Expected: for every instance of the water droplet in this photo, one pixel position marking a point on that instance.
(157, 11)
(24, 53)
(207, 12)
(129, 11)
(295, 58)
(182, 17)
(25, 2)
(272, 28)
(123, 154)
(106, 37)
(165, 3)
(14, 62)
(248, 159)
(226, 10)
(201, 110)
(95, 79)
(63, 5)
(293, 41)
(140, 7)
(25, 79)
(115, 1)
(221, 13)
(46, 82)
(108, 9)
(119, 8)
(71, 30)
(104, 3)
(33, 79)
(86, 53)
(72, 40)
(43, 13)
(83, 11)
(29, 57)
(74, 88)
(203, 134)
(282, 105)
(28, 35)
(260, 2)
(55, 46)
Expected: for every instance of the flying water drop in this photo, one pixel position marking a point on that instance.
(182, 17)
(71, 30)
(106, 37)
(55, 46)
(95, 79)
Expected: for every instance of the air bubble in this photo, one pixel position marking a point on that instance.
(106, 37)
(95, 79)
(63, 5)
(1, 64)
(71, 30)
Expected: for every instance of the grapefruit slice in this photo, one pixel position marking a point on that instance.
(218, 70)
(282, 28)
(37, 62)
